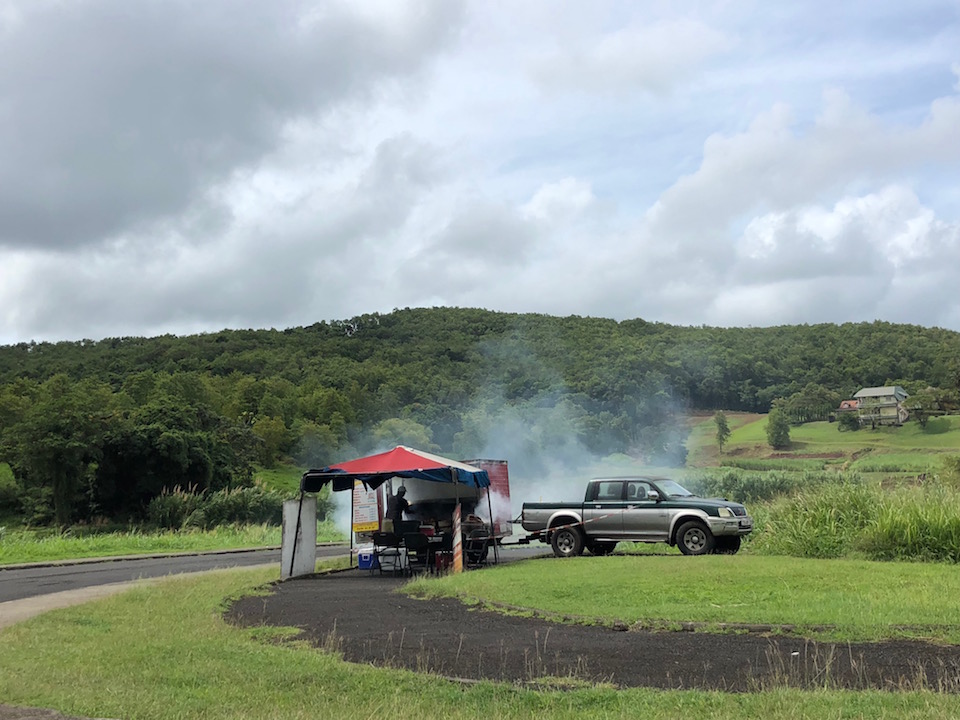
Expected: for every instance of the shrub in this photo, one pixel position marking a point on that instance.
(848, 421)
(9, 490)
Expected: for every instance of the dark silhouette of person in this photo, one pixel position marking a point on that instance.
(397, 505)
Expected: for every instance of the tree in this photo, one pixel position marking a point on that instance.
(848, 421)
(778, 428)
(922, 405)
(723, 429)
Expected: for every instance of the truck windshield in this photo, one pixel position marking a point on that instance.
(674, 489)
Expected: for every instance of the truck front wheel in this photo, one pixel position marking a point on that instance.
(727, 545)
(694, 538)
(567, 542)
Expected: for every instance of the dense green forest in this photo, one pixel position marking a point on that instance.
(99, 428)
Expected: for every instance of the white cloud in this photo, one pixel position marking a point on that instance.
(645, 56)
(709, 163)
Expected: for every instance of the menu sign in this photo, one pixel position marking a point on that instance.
(366, 515)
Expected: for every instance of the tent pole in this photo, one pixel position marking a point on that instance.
(353, 498)
(293, 555)
(493, 531)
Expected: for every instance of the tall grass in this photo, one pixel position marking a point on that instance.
(180, 508)
(895, 463)
(916, 525)
(856, 519)
(751, 487)
(795, 464)
(824, 522)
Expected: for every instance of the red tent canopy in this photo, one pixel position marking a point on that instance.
(402, 461)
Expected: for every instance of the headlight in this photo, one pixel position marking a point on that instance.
(725, 512)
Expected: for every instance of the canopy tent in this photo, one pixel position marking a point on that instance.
(402, 462)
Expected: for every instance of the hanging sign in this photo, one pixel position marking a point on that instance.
(366, 516)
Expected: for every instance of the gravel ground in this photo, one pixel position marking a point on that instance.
(373, 625)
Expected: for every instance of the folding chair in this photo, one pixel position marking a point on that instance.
(475, 546)
(417, 546)
(390, 554)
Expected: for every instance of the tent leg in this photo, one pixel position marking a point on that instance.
(293, 555)
(493, 531)
(353, 498)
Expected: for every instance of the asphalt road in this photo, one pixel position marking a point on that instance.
(18, 583)
(25, 582)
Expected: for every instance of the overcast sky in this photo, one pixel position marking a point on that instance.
(186, 166)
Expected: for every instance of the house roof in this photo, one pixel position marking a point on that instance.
(882, 392)
(849, 404)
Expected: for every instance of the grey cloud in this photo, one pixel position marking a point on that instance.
(317, 258)
(115, 114)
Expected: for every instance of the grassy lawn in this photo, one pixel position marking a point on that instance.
(19, 546)
(907, 449)
(163, 651)
(862, 600)
(283, 478)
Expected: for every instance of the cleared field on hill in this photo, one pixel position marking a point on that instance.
(906, 449)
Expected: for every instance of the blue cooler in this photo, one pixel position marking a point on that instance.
(367, 560)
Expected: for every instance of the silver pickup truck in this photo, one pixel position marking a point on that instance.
(637, 509)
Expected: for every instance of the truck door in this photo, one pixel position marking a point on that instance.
(643, 518)
(603, 510)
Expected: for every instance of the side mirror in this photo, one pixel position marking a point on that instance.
(653, 495)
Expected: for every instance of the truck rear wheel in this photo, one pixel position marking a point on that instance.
(567, 542)
(694, 538)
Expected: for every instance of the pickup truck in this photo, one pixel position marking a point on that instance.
(637, 509)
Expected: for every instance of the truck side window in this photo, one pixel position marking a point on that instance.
(637, 490)
(608, 490)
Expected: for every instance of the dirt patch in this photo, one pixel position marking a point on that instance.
(368, 622)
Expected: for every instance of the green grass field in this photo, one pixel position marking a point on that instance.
(163, 651)
(283, 478)
(863, 601)
(818, 445)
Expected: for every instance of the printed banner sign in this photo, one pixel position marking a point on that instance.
(457, 542)
(366, 515)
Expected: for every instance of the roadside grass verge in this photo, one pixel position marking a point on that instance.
(23, 545)
(163, 651)
(842, 600)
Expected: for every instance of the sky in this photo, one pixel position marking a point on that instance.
(181, 167)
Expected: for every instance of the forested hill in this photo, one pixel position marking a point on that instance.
(200, 409)
(431, 355)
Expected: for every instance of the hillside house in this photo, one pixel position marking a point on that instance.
(849, 406)
(882, 405)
